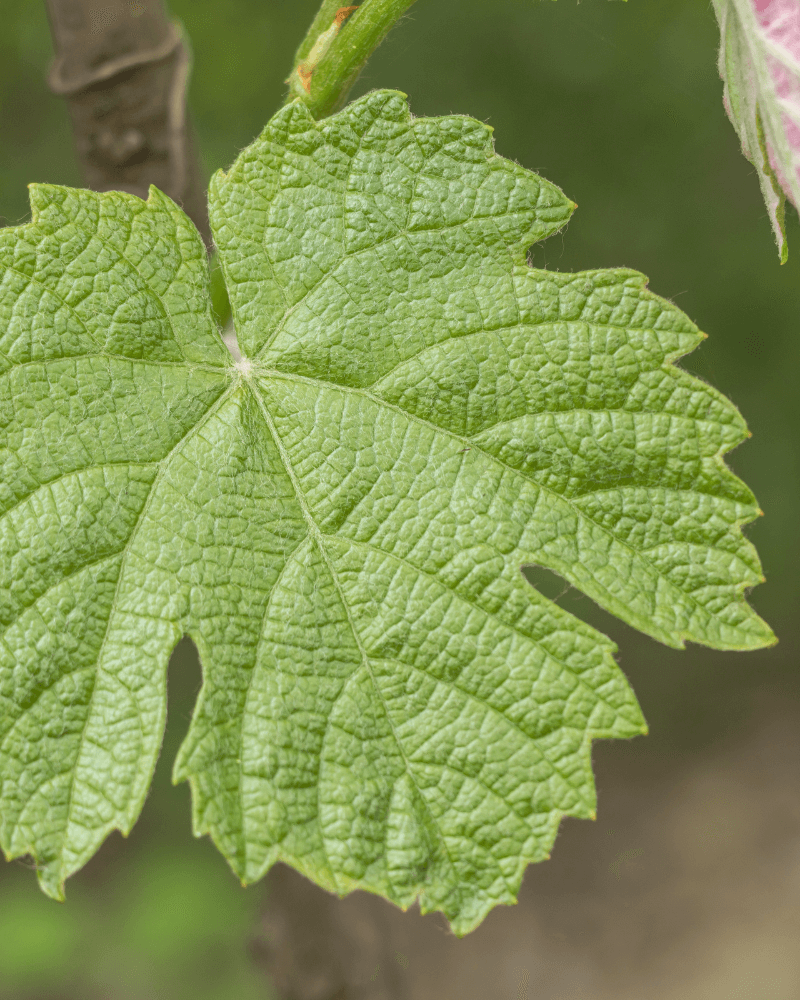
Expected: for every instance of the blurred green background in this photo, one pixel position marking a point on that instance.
(620, 105)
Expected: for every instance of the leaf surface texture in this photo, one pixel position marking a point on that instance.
(339, 520)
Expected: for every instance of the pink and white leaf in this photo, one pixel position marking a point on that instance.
(759, 62)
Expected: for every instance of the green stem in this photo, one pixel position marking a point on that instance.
(333, 78)
(321, 22)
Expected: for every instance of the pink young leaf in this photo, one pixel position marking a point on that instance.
(759, 62)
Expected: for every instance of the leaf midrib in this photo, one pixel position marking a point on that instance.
(318, 537)
(190, 366)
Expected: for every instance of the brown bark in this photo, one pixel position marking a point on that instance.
(123, 68)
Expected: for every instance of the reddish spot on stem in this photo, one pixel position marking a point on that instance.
(343, 13)
(305, 76)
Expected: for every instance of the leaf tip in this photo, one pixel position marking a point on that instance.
(39, 197)
(50, 884)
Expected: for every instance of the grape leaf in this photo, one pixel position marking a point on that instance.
(339, 520)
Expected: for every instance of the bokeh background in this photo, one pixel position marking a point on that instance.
(688, 884)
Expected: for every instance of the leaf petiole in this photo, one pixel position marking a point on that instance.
(335, 51)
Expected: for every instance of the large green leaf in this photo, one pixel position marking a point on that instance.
(340, 519)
